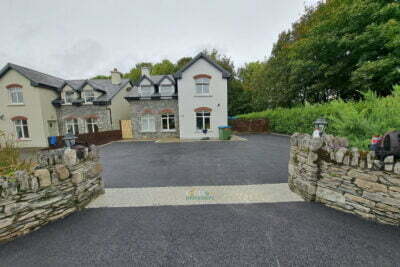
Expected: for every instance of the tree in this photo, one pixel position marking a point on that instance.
(164, 67)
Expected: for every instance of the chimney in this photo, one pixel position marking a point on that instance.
(145, 71)
(116, 76)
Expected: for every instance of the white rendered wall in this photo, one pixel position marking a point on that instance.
(188, 101)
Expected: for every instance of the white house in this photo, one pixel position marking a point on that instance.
(183, 104)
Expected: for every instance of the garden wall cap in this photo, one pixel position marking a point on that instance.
(224, 127)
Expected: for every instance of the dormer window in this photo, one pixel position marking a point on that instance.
(167, 90)
(202, 85)
(146, 90)
(68, 97)
(88, 96)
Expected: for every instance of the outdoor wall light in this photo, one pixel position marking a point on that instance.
(321, 124)
(69, 140)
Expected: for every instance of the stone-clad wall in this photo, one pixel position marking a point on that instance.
(81, 113)
(156, 108)
(325, 170)
(61, 184)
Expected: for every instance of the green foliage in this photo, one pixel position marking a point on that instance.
(162, 68)
(358, 121)
(337, 49)
(10, 160)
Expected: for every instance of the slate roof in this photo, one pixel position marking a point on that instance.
(156, 79)
(36, 77)
(106, 86)
(225, 73)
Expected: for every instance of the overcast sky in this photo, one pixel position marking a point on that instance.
(83, 38)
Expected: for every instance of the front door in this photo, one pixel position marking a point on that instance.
(52, 128)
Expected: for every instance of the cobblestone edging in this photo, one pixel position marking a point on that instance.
(61, 184)
(325, 170)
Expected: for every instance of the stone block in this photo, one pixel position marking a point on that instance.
(370, 186)
(355, 157)
(23, 180)
(381, 197)
(77, 177)
(385, 207)
(33, 183)
(340, 154)
(389, 160)
(69, 157)
(357, 174)
(333, 196)
(62, 171)
(394, 188)
(358, 199)
(388, 167)
(44, 177)
(6, 222)
(377, 165)
(95, 170)
(365, 215)
(396, 168)
(370, 159)
(315, 144)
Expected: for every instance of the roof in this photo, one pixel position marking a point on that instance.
(107, 87)
(156, 79)
(225, 73)
(37, 78)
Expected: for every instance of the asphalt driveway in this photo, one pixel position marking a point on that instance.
(260, 160)
(284, 233)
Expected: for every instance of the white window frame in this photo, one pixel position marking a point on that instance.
(167, 89)
(66, 98)
(85, 97)
(24, 129)
(73, 123)
(166, 117)
(91, 123)
(147, 123)
(204, 85)
(19, 95)
(204, 117)
(144, 88)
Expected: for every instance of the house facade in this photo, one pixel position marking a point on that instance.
(34, 105)
(190, 104)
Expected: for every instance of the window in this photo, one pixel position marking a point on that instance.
(92, 126)
(88, 96)
(167, 90)
(21, 128)
(148, 123)
(16, 95)
(69, 97)
(168, 122)
(203, 120)
(146, 90)
(202, 86)
(72, 126)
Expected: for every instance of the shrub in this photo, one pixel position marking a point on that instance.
(10, 160)
(358, 121)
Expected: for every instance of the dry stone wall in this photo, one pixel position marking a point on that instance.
(326, 170)
(62, 183)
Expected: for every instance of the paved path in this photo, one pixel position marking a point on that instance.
(196, 195)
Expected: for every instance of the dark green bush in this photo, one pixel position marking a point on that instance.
(358, 121)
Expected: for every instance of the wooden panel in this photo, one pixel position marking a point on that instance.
(126, 128)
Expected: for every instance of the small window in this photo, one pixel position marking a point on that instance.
(146, 90)
(92, 126)
(72, 126)
(147, 123)
(88, 96)
(21, 128)
(167, 90)
(16, 95)
(203, 120)
(202, 86)
(69, 97)
(168, 122)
